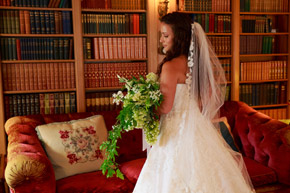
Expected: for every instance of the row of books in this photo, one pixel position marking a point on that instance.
(37, 3)
(213, 23)
(279, 113)
(105, 74)
(221, 44)
(256, 24)
(257, 44)
(38, 76)
(115, 48)
(114, 23)
(42, 103)
(268, 70)
(35, 22)
(205, 5)
(264, 6)
(101, 101)
(114, 4)
(263, 94)
(226, 64)
(36, 48)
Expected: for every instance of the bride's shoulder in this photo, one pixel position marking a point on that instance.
(176, 63)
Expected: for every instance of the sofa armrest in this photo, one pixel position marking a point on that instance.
(28, 168)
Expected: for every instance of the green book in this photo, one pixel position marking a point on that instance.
(206, 23)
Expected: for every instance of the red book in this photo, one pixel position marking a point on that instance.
(105, 77)
(136, 47)
(73, 78)
(30, 74)
(47, 74)
(56, 75)
(35, 76)
(96, 49)
(64, 74)
(101, 48)
(21, 22)
(60, 75)
(115, 48)
(68, 67)
(22, 76)
(43, 75)
(100, 72)
(26, 77)
(119, 48)
(110, 47)
(144, 48)
(106, 48)
(27, 22)
(14, 76)
(18, 49)
(125, 44)
(51, 75)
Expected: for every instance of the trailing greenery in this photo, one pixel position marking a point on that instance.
(139, 111)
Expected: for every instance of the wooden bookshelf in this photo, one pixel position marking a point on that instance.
(45, 33)
(281, 21)
(270, 101)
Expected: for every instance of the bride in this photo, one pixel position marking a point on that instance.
(190, 155)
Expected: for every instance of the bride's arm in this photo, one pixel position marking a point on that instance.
(168, 81)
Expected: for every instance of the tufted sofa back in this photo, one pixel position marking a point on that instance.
(260, 137)
(130, 144)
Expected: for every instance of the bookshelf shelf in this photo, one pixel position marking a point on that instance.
(207, 12)
(265, 34)
(270, 106)
(114, 10)
(103, 89)
(34, 61)
(263, 55)
(116, 60)
(36, 35)
(224, 56)
(39, 91)
(219, 34)
(34, 8)
(262, 81)
(264, 13)
(113, 35)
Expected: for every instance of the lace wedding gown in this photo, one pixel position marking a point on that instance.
(191, 156)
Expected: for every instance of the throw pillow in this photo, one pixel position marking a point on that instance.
(225, 130)
(74, 147)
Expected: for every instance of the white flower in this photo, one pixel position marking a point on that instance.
(118, 97)
(136, 96)
(151, 77)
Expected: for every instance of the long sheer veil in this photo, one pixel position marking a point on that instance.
(207, 86)
(206, 77)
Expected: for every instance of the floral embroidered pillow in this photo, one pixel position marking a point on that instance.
(74, 147)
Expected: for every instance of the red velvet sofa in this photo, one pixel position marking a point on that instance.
(264, 142)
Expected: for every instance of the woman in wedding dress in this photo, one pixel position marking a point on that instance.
(190, 155)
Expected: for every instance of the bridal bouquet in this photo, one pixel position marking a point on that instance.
(139, 111)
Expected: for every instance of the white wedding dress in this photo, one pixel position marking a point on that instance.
(191, 156)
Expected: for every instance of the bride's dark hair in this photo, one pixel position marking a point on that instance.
(181, 27)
